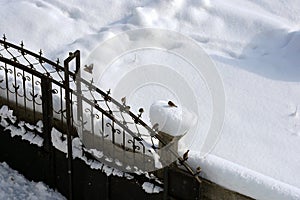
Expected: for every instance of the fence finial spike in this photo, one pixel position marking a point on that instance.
(141, 110)
(40, 52)
(22, 44)
(4, 37)
(57, 61)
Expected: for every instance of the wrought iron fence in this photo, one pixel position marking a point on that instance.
(61, 98)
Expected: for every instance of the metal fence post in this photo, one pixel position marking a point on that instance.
(69, 115)
(47, 106)
(166, 183)
(79, 92)
(69, 128)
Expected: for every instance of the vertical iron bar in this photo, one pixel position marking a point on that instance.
(124, 139)
(47, 108)
(79, 94)
(72, 115)
(113, 130)
(92, 120)
(102, 126)
(166, 183)
(108, 187)
(24, 91)
(33, 98)
(16, 88)
(61, 108)
(68, 119)
(6, 84)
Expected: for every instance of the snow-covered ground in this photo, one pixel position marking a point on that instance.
(59, 141)
(15, 186)
(255, 46)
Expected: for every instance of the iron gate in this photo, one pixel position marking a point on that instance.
(41, 89)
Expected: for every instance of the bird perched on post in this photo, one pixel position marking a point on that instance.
(155, 127)
(123, 100)
(171, 104)
(186, 155)
(89, 68)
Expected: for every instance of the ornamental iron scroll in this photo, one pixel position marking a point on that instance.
(102, 122)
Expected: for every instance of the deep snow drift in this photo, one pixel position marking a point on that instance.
(255, 46)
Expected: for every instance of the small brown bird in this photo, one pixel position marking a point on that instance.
(155, 127)
(123, 100)
(171, 104)
(89, 68)
(186, 155)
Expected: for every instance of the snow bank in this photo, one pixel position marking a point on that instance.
(27, 131)
(255, 45)
(151, 188)
(173, 120)
(15, 186)
(248, 182)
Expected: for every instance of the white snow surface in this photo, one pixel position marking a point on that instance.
(7, 117)
(151, 188)
(175, 121)
(14, 186)
(255, 46)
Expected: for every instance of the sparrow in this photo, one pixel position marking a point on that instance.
(89, 68)
(155, 127)
(123, 100)
(171, 104)
(186, 155)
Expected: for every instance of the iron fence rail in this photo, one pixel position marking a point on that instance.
(33, 82)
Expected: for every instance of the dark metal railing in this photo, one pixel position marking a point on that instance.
(61, 98)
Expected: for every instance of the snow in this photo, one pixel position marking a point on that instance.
(59, 140)
(7, 120)
(151, 188)
(175, 121)
(15, 186)
(255, 46)
(6, 113)
(220, 170)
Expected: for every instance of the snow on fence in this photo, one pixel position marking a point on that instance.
(40, 89)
